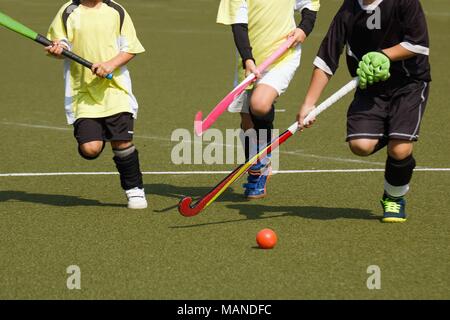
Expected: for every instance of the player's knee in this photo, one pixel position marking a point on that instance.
(260, 106)
(400, 150)
(362, 147)
(91, 150)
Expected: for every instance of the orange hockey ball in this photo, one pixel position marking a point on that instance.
(266, 239)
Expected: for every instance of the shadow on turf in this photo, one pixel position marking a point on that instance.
(254, 211)
(257, 211)
(177, 192)
(52, 199)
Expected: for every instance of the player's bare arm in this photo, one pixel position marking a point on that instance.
(102, 69)
(318, 83)
(398, 53)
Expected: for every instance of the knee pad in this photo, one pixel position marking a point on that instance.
(90, 158)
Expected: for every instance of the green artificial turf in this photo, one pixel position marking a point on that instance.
(327, 223)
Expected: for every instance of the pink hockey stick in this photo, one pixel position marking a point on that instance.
(201, 126)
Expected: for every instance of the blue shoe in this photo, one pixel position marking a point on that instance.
(394, 209)
(258, 177)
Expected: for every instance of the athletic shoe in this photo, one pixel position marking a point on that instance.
(394, 209)
(136, 198)
(258, 177)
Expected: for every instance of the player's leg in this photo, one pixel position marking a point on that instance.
(262, 111)
(262, 114)
(119, 130)
(405, 115)
(255, 188)
(400, 165)
(91, 150)
(246, 121)
(363, 147)
(90, 137)
(366, 124)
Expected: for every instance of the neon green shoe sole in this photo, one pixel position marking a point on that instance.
(393, 220)
(393, 209)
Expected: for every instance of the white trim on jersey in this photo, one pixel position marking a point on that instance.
(415, 48)
(319, 63)
(242, 13)
(350, 52)
(365, 134)
(302, 4)
(127, 82)
(66, 44)
(122, 43)
(370, 7)
(68, 97)
(411, 136)
(422, 96)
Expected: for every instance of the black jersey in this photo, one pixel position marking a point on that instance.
(383, 24)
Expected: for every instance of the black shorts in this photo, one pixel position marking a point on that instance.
(396, 115)
(118, 127)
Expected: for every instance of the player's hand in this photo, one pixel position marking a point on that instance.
(103, 69)
(305, 109)
(250, 67)
(374, 67)
(299, 37)
(56, 49)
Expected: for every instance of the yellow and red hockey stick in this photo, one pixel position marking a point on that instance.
(185, 206)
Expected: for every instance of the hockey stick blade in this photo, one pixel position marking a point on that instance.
(184, 207)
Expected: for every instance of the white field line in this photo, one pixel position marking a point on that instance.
(36, 126)
(338, 159)
(46, 174)
(295, 153)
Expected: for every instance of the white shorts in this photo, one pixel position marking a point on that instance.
(278, 78)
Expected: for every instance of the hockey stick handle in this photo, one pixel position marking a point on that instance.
(201, 126)
(280, 51)
(332, 100)
(68, 54)
(23, 30)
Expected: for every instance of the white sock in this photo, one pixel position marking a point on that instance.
(395, 191)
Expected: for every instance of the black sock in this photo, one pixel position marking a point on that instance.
(399, 172)
(129, 170)
(263, 126)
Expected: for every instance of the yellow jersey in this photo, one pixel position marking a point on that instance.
(98, 35)
(269, 23)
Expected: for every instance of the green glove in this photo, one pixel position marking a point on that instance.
(374, 67)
